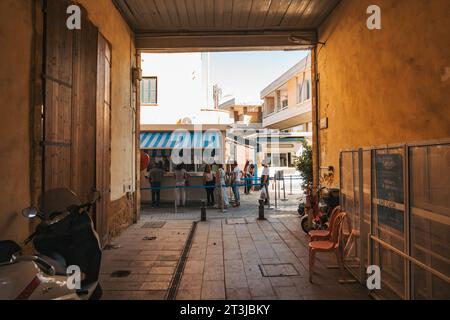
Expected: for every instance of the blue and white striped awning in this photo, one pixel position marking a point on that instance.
(181, 139)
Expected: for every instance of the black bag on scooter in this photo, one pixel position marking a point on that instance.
(73, 237)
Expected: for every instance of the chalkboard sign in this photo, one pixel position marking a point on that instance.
(389, 189)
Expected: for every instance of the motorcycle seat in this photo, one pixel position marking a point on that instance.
(7, 249)
(58, 263)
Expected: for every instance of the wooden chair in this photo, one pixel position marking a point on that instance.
(325, 234)
(332, 244)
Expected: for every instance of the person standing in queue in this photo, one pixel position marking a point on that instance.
(251, 175)
(247, 178)
(265, 179)
(181, 177)
(221, 185)
(155, 177)
(209, 183)
(236, 183)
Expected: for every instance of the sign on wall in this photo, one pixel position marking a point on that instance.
(389, 190)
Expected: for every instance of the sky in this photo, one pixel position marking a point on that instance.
(244, 75)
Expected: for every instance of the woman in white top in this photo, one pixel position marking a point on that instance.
(236, 183)
(265, 179)
(223, 202)
(181, 176)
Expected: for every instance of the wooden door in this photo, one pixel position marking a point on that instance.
(103, 132)
(58, 104)
(70, 102)
(84, 111)
(76, 113)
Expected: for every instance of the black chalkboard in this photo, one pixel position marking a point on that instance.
(389, 187)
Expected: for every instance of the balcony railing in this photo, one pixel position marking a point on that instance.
(281, 109)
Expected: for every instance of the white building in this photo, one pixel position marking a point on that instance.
(287, 113)
(175, 89)
(178, 119)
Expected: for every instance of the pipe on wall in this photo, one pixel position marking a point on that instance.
(315, 114)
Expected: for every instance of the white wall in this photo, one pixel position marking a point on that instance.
(179, 86)
(182, 89)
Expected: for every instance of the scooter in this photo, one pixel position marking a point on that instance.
(321, 204)
(66, 242)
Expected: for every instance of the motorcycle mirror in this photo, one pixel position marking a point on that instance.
(30, 212)
(94, 196)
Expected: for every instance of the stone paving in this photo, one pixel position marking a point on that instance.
(232, 256)
(151, 263)
(243, 261)
(248, 207)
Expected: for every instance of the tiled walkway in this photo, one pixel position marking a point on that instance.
(243, 261)
(151, 263)
(232, 256)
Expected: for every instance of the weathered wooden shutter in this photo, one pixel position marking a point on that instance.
(58, 108)
(103, 165)
(76, 116)
(70, 102)
(84, 111)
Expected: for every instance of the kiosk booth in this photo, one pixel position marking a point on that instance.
(194, 148)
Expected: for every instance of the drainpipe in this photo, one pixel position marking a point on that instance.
(137, 135)
(316, 118)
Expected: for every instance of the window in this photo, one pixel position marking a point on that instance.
(278, 103)
(308, 89)
(304, 90)
(165, 157)
(283, 160)
(149, 87)
(291, 163)
(278, 159)
(299, 128)
(283, 99)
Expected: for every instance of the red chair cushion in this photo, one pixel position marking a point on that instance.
(321, 245)
(319, 233)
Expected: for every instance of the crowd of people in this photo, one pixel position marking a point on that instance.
(217, 181)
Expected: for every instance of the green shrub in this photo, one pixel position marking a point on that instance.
(304, 165)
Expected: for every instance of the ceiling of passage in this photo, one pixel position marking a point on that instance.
(224, 23)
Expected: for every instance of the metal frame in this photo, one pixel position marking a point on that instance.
(401, 148)
(411, 259)
(406, 221)
(361, 212)
(360, 275)
(405, 254)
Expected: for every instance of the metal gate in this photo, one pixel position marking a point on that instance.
(397, 199)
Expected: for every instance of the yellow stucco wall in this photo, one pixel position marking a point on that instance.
(384, 86)
(15, 58)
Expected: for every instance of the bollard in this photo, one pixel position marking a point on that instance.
(284, 191)
(176, 200)
(203, 211)
(279, 188)
(261, 210)
(290, 181)
(276, 198)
